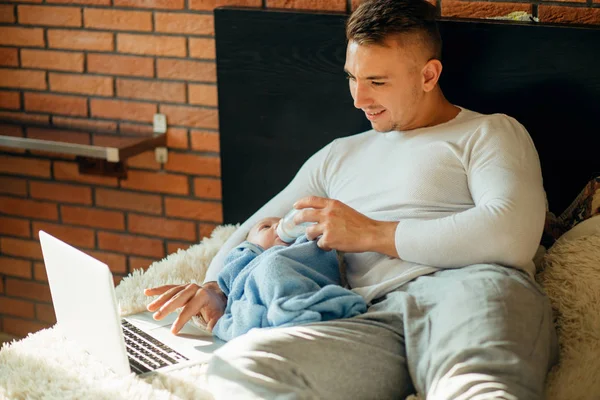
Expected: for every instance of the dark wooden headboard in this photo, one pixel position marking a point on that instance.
(283, 95)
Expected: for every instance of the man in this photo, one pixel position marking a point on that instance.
(440, 210)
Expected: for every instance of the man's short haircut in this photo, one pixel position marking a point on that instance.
(374, 21)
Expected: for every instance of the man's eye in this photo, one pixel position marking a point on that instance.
(350, 77)
(378, 83)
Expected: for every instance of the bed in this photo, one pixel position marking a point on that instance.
(277, 73)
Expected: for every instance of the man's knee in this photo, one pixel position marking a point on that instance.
(254, 366)
(490, 335)
(462, 382)
(257, 350)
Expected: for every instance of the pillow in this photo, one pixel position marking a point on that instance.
(585, 206)
(553, 229)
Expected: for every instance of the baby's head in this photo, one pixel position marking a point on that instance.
(264, 233)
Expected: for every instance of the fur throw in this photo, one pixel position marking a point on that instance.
(571, 278)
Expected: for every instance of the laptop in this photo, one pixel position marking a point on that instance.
(85, 304)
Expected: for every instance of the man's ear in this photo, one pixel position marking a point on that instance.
(431, 74)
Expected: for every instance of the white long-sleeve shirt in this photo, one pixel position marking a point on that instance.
(465, 192)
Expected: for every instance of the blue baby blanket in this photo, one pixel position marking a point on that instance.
(282, 286)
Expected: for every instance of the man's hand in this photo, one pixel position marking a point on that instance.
(343, 228)
(206, 301)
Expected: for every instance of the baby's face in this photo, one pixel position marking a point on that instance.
(264, 233)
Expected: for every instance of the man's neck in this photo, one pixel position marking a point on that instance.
(437, 110)
(433, 110)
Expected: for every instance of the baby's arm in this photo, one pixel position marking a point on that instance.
(236, 260)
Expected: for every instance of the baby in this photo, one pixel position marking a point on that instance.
(264, 233)
(271, 283)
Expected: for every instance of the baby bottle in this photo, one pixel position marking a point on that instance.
(287, 230)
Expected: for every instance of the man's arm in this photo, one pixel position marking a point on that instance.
(504, 226)
(308, 181)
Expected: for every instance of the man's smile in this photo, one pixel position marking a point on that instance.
(373, 115)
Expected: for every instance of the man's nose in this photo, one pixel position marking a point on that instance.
(362, 98)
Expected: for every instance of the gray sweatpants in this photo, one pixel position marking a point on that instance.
(479, 332)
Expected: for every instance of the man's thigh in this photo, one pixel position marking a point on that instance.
(485, 330)
(357, 358)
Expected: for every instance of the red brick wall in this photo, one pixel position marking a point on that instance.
(95, 72)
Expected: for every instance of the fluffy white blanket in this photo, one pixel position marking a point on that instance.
(571, 278)
(46, 366)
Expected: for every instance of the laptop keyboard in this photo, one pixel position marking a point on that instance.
(145, 353)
